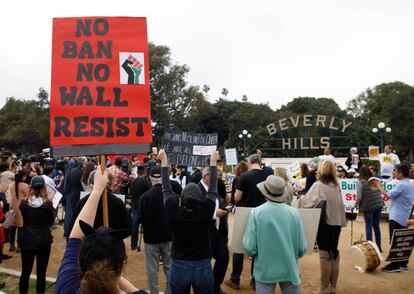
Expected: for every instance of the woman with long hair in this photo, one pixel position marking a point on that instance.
(35, 238)
(88, 168)
(369, 201)
(326, 188)
(281, 172)
(94, 259)
(18, 191)
(240, 168)
(304, 170)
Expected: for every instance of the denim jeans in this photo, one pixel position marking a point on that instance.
(195, 273)
(287, 288)
(134, 228)
(152, 254)
(372, 221)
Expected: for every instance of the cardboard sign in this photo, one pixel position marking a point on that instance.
(100, 102)
(231, 156)
(348, 189)
(373, 152)
(241, 218)
(310, 219)
(184, 148)
(402, 243)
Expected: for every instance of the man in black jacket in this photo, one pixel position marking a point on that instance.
(157, 232)
(139, 186)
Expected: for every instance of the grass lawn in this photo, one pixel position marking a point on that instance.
(12, 285)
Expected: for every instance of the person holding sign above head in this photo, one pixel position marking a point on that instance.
(191, 225)
(402, 200)
(94, 259)
(275, 238)
(332, 219)
(388, 161)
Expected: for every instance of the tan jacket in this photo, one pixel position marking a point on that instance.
(335, 212)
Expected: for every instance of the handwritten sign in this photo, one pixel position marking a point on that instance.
(100, 102)
(402, 243)
(194, 149)
(231, 156)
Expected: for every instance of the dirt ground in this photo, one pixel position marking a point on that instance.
(350, 280)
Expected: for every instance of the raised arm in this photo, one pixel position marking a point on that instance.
(212, 187)
(165, 179)
(88, 211)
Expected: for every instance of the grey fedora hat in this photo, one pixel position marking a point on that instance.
(274, 188)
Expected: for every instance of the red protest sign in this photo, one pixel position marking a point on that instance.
(100, 85)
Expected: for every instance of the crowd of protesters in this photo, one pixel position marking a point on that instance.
(183, 219)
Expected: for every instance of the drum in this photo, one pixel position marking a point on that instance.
(366, 256)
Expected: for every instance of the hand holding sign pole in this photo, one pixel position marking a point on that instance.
(104, 195)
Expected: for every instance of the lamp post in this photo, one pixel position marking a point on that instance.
(245, 136)
(381, 130)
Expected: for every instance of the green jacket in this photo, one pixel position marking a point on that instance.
(276, 240)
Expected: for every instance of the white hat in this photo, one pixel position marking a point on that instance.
(274, 188)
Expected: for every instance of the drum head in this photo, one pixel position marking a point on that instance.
(359, 259)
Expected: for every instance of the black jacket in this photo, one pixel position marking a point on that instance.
(139, 186)
(118, 216)
(35, 233)
(157, 228)
(75, 183)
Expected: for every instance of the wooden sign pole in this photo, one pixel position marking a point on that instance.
(104, 195)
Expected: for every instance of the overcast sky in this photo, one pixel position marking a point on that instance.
(271, 51)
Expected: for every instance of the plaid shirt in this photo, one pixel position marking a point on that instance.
(119, 177)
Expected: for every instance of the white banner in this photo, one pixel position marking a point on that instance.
(348, 189)
(310, 219)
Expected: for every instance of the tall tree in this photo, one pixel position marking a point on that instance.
(224, 92)
(24, 124)
(393, 104)
(172, 99)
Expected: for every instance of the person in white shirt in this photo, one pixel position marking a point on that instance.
(219, 248)
(388, 161)
(327, 156)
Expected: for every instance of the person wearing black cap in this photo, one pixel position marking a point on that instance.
(35, 238)
(94, 259)
(191, 224)
(157, 232)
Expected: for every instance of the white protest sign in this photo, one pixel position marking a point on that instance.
(86, 193)
(54, 195)
(204, 150)
(240, 222)
(231, 156)
(310, 218)
(348, 189)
